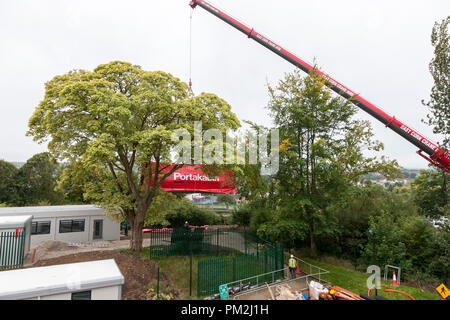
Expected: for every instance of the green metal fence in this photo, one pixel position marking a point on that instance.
(237, 254)
(12, 249)
(216, 271)
(164, 243)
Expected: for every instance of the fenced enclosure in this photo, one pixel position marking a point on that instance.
(218, 242)
(236, 254)
(12, 249)
(216, 271)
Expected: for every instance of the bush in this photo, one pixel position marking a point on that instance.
(194, 215)
(389, 247)
(242, 216)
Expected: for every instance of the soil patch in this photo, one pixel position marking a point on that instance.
(140, 275)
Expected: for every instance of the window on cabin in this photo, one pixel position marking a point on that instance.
(66, 226)
(40, 227)
(82, 295)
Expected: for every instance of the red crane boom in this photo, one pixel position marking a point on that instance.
(433, 153)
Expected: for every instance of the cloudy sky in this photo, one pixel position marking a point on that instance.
(379, 49)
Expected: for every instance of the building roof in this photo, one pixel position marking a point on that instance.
(50, 280)
(52, 211)
(12, 222)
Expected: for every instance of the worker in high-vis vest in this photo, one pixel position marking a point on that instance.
(292, 266)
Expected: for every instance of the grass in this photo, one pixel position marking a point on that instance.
(341, 274)
(178, 269)
(355, 281)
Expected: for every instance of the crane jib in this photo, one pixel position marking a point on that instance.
(438, 156)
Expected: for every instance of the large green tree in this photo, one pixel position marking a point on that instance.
(321, 151)
(114, 127)
(439, 115)
(8, 174)
(439, 103)
(431, 194)
(36, 180)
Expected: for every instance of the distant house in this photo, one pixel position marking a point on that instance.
(93, 280)
(72, 224)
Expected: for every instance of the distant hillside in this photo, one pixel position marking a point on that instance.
(17, 164)
(408, 175)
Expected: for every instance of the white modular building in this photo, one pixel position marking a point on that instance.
(93, 280)
(72, 224)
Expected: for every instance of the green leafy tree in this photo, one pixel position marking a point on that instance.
(321, 153)
(359, 139)
(251, 184)
(439, 264)
(242, 215)
(418, 236)
(115, 124)
(163, 205)
(388, 243)
(186, 211)
(430, 194)
(71, 183)
(439, 104)
(36, 181)
(8, 174)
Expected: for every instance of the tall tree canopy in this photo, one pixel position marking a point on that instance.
(321, 152)
(111, 122)
(8, 173)
(439, 104)
(439, 118)
(36, 181)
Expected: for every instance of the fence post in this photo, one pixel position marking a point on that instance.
(265, 261)
(217, 242)
(8, 253)
(23, 247)
(157, 286)
(245, 240)
(234, 268)
(1, 249)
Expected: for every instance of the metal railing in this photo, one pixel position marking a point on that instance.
(240, 288)
(308, 268)
(12, 249)
(170, 242)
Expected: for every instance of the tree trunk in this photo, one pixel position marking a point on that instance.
(137, 223)
(313, 247)
(444, 189)
(136, 238)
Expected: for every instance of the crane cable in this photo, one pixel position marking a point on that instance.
(190, 50)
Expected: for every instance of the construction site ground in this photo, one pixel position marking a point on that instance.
(140, 274)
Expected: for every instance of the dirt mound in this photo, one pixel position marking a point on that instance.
(45, 248)
(140, 275)
(53, 245)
